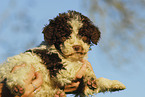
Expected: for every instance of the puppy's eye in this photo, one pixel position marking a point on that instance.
(63, 38)
(84, 38)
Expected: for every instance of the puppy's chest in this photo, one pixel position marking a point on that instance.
(67, 75)
(71, 67)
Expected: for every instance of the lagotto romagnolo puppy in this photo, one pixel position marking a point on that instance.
(68, 38)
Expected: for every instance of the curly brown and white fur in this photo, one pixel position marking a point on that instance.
(68, 38)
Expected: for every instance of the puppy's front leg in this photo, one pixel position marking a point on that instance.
(89, 78)
(96, 85)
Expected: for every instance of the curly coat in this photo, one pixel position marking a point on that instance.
(68, 38)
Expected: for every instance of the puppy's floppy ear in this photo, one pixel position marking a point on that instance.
(89, 30)
(95, 34)
(48, 32)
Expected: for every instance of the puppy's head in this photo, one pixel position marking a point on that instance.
(72, 34)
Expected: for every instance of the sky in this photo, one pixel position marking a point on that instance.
(32, 16)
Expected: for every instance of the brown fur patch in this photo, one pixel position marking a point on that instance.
(4, 91)
(51, 60)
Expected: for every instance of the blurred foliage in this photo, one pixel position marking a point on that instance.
(122, 23)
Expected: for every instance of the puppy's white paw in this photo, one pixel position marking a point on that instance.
(116, 86)
(109, 85)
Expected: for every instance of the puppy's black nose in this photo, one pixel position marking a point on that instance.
(77, 48)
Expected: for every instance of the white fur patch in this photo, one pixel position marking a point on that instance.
(75, 24)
